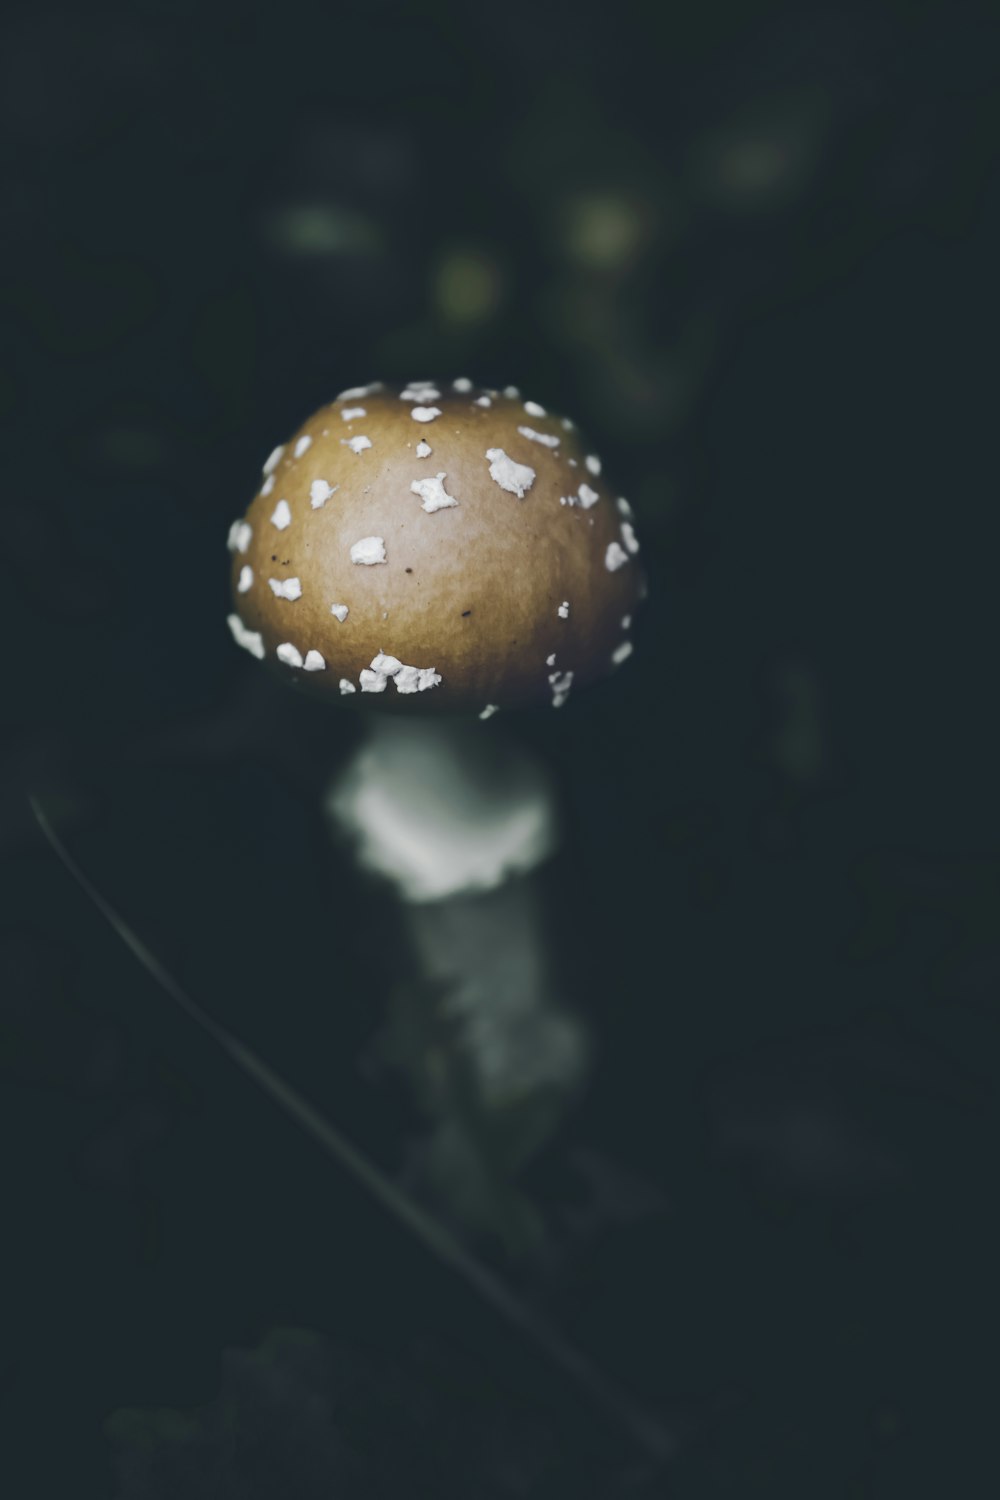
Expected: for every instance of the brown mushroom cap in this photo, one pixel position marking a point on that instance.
(508, 575)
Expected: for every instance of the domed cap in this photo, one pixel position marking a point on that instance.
(435, 546)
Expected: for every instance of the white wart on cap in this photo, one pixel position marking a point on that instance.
(444, 587)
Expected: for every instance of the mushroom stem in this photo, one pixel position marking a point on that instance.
(458, 822)
(444, 808)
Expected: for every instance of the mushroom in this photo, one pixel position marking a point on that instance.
(433, 547)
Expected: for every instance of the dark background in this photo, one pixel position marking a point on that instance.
(753, 253)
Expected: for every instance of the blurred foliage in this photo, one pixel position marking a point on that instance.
(303, 1417)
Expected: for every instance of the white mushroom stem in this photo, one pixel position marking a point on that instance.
(458, 823)
(443, 809)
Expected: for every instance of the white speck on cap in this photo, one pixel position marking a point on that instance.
(370, 550)
(246, 578)
(350, 412)
(424, 450)
(346, 685)
(573, 463)
(407, 679)
(303, 445)
(314, 662)
(587, 496)
(534, 410)
(289, 654)
(563, 610)
(239, 536)
(490, 710)
(539, 437)
(425, 413)
(320, 492)
(509, 475)
(560, 683)
(282, 515)
(567, 424)
(624, 509)
(419, 393)
(433, 494)
(626, 621)
(621, 653)
(511, 391)
(593, 463)
(550, 661)
(463, 383)
(274, 458)
(250, 640)
(357, 392)
(415, 679)
(482, 401)
(286, 588)
(614, 557)
(357, 444)
(268, 485)
(340, 610)
(629, 537)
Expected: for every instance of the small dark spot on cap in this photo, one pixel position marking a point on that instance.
(409, 570)
(466, 612)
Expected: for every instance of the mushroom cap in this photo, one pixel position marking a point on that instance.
(435, 546)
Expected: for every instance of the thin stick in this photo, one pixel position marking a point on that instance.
(644, 1430)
